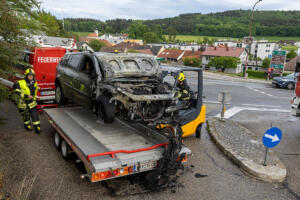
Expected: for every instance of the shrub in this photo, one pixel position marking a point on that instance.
(256, 74)
(194, 62)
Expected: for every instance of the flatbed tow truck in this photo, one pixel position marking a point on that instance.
(113, 150)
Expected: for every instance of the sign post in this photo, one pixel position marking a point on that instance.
(271, 138)
(224, 98)
(278, 60)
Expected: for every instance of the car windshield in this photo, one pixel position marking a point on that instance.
(291, 75)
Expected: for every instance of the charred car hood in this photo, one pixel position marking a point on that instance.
(129, 65)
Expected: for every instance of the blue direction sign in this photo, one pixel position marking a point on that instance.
(272, 137)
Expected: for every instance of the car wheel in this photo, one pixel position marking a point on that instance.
(198, 131)
(105, 109)
(59, 96)
(290, 86)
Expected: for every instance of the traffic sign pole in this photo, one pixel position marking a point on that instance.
(265, 161)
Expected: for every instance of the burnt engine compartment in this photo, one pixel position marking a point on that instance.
(146, 109)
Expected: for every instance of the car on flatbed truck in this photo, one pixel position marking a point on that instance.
(130, 86)
(112, 84)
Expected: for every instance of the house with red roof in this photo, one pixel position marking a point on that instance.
(225, 51)
(172, 54)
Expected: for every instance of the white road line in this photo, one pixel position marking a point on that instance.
(259, 105)
(230, 112)
(235, 110)
(212, 102)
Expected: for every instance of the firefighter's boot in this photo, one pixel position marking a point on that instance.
(37, 129)
(27, 126)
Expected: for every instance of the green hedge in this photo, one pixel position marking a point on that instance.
(256, 74)
(262, 75)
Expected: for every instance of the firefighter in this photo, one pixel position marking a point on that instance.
(184, 93)
(26, 91)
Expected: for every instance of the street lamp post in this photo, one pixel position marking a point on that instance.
(250, 39)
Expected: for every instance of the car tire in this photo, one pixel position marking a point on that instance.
(57, 141)
(290, 86)
(59, 96)
(65, 150)
(198, 131)
(105, 109)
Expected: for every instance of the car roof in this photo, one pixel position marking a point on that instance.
(176, 69)
(112, 55)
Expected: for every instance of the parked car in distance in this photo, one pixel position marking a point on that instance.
(288, 81)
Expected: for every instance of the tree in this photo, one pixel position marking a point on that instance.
(224, 62)
(205, 40)
(172, 34)
(18, 21)
(150, 37)
(266, 63)
(194, 62)
(50, 24)
(292, 54)
(137, 30)
(158, 31)
(96, 44)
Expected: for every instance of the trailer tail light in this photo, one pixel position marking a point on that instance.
(113, 173)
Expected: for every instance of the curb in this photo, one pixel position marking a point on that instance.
(270, 173)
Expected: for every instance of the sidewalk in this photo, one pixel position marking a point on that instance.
(246, 150)
(212, 75)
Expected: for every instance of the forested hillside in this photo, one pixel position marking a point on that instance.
(233, 23)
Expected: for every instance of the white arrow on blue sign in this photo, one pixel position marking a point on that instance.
(272, 137)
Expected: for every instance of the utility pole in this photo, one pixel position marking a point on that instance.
(250, 40)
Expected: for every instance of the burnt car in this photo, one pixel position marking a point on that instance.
(128, 85)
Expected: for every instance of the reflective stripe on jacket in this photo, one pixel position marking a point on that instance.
(22, 89)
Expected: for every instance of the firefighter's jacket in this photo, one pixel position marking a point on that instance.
(184, 93)
(23, 89)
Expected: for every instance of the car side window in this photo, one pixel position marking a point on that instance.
(64, 60)
(75, 61)
(87, 66)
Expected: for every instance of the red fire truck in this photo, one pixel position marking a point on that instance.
(44, 61)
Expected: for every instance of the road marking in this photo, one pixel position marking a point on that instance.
(235, 110)
(212, 102)
(230, 112)
(259, 105)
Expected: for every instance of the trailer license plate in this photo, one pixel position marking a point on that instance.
(148, 165)
(47, 93)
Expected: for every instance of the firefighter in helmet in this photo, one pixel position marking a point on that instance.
(184, 93)
(26, 91)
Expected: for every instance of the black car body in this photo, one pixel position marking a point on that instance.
(130, 85)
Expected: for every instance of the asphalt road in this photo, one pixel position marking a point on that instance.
(31, 165)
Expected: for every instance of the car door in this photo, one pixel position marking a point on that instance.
(82, 84)
(71, 74)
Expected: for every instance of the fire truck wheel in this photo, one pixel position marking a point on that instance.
(57, 141)
(105, 109)
(198, 131)
(65, 150)
(59, 97)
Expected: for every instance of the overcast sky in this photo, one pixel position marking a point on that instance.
(152, 9)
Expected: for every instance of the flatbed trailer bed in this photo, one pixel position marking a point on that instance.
(108, 150)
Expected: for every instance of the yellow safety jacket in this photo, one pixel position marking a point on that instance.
(23, 91)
